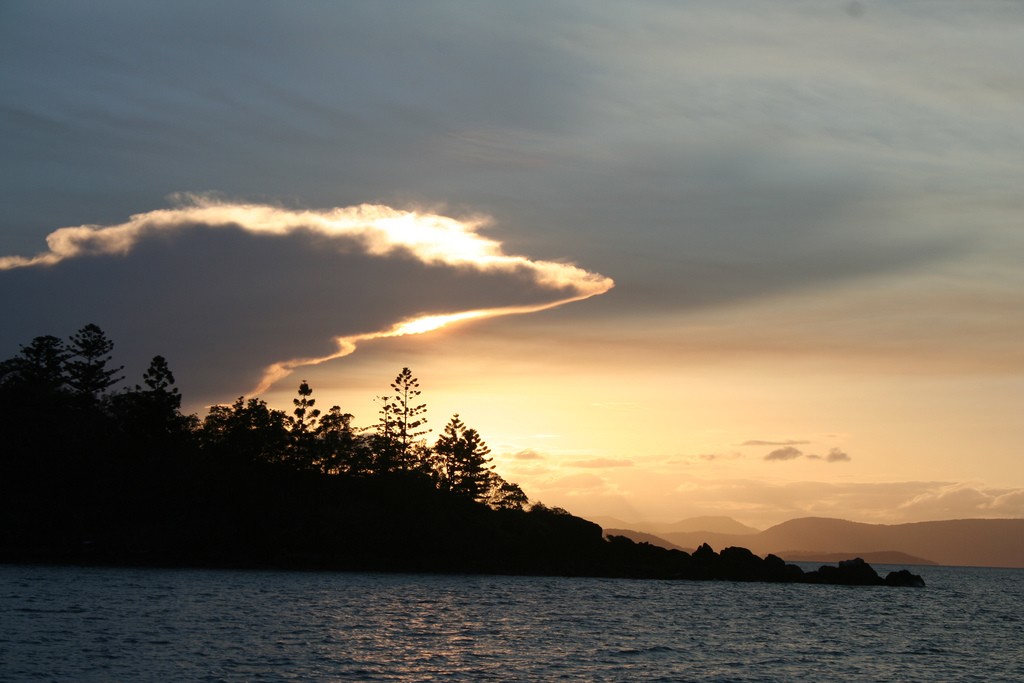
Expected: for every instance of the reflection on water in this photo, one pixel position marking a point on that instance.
(98, 624)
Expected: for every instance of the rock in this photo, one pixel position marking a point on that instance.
(740, 564)
(855, 572)
(776, 569)
(904, 578)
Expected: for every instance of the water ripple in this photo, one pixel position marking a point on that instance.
(94, 624)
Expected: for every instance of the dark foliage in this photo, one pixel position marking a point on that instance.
(88, 475)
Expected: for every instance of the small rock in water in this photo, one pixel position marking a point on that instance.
(904, 578)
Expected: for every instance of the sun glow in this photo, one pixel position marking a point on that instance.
(420, 325)
(429, 323)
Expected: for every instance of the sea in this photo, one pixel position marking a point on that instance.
(118, 624)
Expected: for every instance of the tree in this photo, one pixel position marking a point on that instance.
(39, 368)
(152, 413)
(461, 460)
(385, 444)
(246, 431)
(87, 371)
(302, 424)
(505, 495)
(304, 416)
(159, 381)
(35, 434)
(401, 425)
(341, 449)
(409, 418)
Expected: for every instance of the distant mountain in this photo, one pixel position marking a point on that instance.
(716, 524)
(606, 522)
(881, 557)
(688, 540)
(642, 537)
(963, 542)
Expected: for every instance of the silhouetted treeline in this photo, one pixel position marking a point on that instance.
(92, 473)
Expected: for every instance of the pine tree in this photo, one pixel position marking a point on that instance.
(39, 368)
(87, 371)
(462, 462)
(400, 428)
(304, 416)
(302, 425)
(159, 381)
(409, 418)
(152, 412)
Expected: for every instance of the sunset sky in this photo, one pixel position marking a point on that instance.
(759, 259)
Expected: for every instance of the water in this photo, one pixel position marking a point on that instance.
(107, 624)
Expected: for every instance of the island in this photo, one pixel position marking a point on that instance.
(96, 474)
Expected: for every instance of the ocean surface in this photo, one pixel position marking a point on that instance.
(114, 624)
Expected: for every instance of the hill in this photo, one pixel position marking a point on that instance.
(963, 542)
(719, 524)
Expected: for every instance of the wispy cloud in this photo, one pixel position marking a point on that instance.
(527, 454)
(786, 453)
(791, 453)
(787, 442)
(833, 455)
(711, 457)
(601, 463)
(965, 500)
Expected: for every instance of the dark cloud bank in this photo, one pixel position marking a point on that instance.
(224, 304)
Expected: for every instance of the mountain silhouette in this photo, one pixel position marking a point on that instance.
(960, 542)
(716, 523)
(719, 524)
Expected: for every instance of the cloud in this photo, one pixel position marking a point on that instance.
(239, 295)
(711, 457)
(786, 453)
(836, 455)
(601, 463)
(788, 442)
(791, 453)
(963, 500)
(527, 454)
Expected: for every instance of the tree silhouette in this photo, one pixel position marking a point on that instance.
(304, 417)
(126, 476)
(398, 444)
(159, 381)
(505, 495)
(461, 460)
(409, 417)
(246, 431)
(342, 451)
(302, 424)
(87, 371)
(152, 413)
(40, 367)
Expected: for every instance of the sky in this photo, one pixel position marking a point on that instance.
(757, 259)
